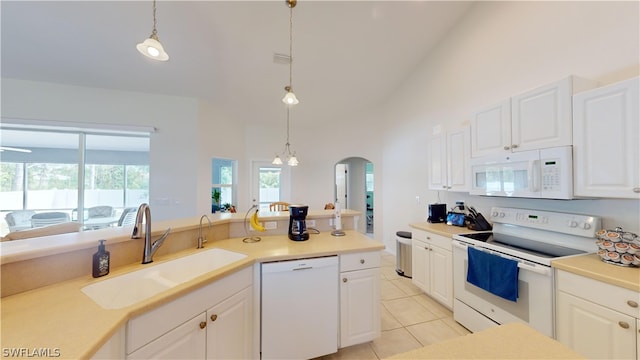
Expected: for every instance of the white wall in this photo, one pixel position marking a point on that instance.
(497, 50)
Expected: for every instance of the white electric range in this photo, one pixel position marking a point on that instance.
(532, 238)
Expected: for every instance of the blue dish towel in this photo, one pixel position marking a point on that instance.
(493, 273)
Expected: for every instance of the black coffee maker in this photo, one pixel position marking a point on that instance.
(297, 223)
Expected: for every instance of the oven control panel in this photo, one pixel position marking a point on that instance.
(575, 224)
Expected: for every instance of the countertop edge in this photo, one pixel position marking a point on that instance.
(590, 266)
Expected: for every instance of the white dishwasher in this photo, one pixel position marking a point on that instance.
(299, 308)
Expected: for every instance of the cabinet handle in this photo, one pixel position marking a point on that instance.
(636, 189)
(514, 146)
(214, 317)
(344, 280)
(623, 324)
(426, 248)
(507, 147)
(632, 303)
(444, 186)
(203, 324)
(361, 261)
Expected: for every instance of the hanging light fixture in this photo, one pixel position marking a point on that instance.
(290, 97)
(292, 160)
(151, 47)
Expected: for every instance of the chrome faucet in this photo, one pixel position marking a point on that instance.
(144, 211)
(202, 240)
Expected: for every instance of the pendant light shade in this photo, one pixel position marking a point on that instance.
(151, 47)
(277, 160)
(289, 98)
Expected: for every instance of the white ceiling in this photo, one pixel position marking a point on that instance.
(347, 55)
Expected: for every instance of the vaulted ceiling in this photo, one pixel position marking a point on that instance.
(347, 55)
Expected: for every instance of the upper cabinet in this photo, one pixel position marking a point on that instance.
(449, 156)
(606, 141)
(537, 119)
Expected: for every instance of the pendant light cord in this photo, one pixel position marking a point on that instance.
(290, 44)
(154, 32)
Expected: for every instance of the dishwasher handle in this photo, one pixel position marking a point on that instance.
(299, 264)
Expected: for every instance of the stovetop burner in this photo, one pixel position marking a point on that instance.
(523, 246)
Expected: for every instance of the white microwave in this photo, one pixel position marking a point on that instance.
(542, 174)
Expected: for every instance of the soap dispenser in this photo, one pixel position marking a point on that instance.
(101, 261)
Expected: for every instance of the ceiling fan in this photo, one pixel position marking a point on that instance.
(7, 148)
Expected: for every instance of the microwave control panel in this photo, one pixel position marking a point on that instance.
(551, 174)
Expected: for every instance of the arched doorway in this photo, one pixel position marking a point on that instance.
(354, 190)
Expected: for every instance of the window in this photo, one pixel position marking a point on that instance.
(62, 169)
(223, 184)
(270, 183)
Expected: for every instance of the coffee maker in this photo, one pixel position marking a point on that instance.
(297, 223)
(437, 213)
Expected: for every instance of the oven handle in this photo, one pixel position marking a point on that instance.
(542, 270)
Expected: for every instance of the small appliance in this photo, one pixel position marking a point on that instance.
(437, 213)
(544, 174)
(297, 223)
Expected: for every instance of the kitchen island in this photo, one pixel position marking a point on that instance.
(60, 319)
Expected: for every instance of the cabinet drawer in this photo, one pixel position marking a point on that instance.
(614, 297)
(433, 239)
(358, 261)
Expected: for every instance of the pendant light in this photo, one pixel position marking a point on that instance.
(292, 160)
(290, 97)
(151, 47)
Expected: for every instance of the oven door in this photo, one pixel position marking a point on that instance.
(477, 309)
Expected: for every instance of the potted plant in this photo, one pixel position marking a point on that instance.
(215, 195)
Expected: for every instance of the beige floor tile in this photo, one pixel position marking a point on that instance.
(455, 326)
(435, 307)
(388, 259)
(389, 291)
(387, 321)
(408, 311)
(355, 352)
(432, 332)
(389, 273)
(394, 342)
(406, 286)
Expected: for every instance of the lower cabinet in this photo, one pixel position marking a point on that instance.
(359, 298)
(597, 320)
(214, 322)
(432, 265)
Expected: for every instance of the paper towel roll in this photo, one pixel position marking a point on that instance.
(338, 216)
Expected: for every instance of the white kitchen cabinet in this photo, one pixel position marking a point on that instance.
(187, 341)
(449, 155)
(597, 320)
(606, 140)
(432, 265)
(491, 129)
(538, 119)
(359, 298)
(214, 322)
(229, 323)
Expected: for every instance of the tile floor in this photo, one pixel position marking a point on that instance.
(410, 319)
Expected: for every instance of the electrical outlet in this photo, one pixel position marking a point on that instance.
(311, 223)
(270, 225)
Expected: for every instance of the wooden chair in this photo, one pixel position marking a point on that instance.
(279, 206)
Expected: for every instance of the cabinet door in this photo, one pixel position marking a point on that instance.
(458, 156)
(419, 264)
(594, 331)
(541, 118)
(187, 341)
(359, 306)
(441, 275)
(607, 141)
(638, 339)
(438, 162)
(491, 130)
(230, 328)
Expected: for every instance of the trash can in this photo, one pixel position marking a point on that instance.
(403, 253)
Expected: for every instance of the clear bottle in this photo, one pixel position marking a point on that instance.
(101, 261)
